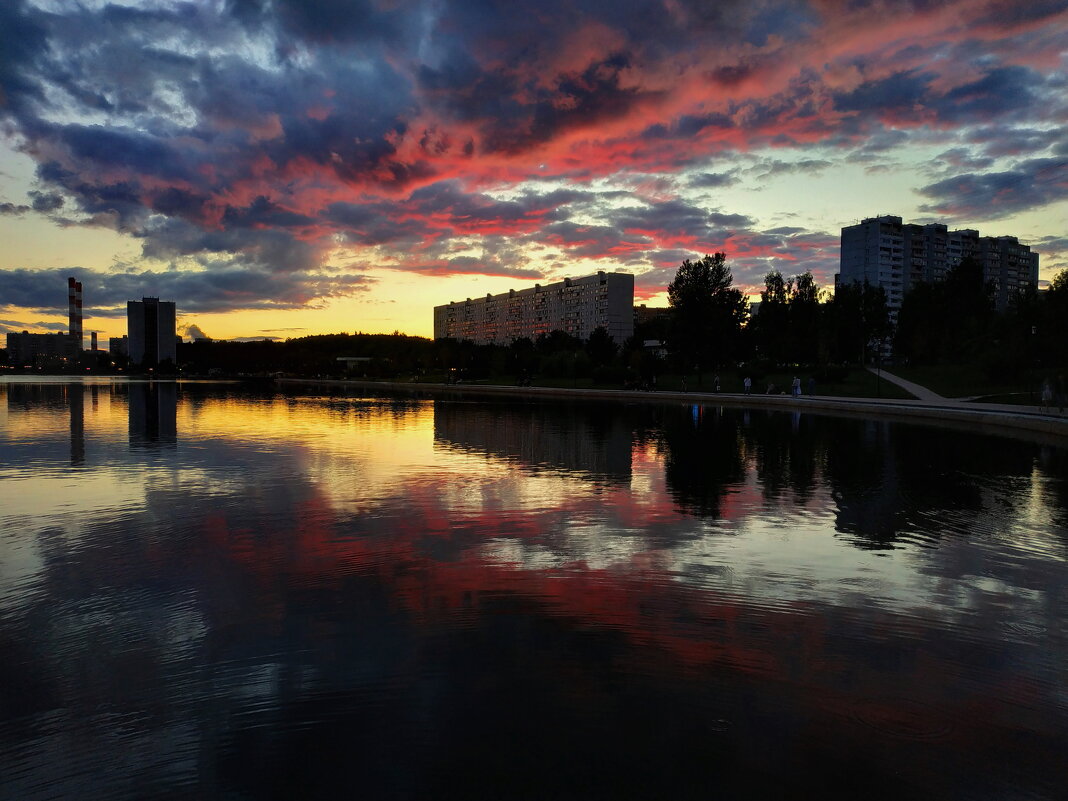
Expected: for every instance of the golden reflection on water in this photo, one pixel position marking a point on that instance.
(283, 547)
(540, 491)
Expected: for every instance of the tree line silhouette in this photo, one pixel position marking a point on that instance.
(708, 325)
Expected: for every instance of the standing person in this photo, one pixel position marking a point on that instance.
(716, 382)
(797, 387)
(811, 385)
(1047, 395)
(747, 385)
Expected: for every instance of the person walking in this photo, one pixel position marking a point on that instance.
(747, 385)
(796, 387)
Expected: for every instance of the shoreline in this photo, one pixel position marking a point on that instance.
(994, 418)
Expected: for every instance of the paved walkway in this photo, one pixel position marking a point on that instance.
(922, 393)
(930, 405)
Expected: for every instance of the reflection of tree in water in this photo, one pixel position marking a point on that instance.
(863, 483)
(788, 451)
(711, 449)
(704, 457)
(892, 480)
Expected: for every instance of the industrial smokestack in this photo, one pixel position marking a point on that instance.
(72, 312)
(74, 302)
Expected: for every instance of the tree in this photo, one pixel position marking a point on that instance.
(804, 309)
(600, 347)
(920, 334)
(771, 325)
(953, 320)
(557, 341)
(1052, 327)
(707, 312)
(858, 321)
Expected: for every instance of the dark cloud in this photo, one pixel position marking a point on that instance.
(471, 265)
(914, 96)
(707, 180)
(988, 196)
(900, 92)
(22, 40)
(769, 168)
(46, 202)
(339, 21)
(676, 220)
(1053, 243)
(592, 241)
(276, 250)
(41, 326)
(99, 147)
(175, 202)
(996, 94)
(249, 138)
(1008, 140)
(224, 289)
(961, 158)
(263, 213)
(1005, 12)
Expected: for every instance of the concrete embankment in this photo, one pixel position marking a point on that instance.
(994, 418)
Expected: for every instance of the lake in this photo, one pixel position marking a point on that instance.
(215, 591)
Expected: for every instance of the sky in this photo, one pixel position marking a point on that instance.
(280, 168)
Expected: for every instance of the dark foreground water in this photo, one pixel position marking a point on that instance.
(211, 593)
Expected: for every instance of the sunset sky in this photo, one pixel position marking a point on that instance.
(288, 167)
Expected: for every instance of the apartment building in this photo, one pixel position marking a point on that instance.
(150, 325)
(576, 306)
(895, 255)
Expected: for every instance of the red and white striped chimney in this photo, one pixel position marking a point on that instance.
(74, 302)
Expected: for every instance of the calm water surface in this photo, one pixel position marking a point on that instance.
(209, 592)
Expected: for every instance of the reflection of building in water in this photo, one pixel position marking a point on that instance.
(55, 398)
(559, 437)
(76, 400)
(153, 414)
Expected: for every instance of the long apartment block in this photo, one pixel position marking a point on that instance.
(576, 306)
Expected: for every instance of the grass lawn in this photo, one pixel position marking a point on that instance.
(967, 381)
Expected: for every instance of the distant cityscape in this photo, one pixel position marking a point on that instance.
(881, 251)
(151, 337)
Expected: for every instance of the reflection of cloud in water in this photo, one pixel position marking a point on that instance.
(265, 606)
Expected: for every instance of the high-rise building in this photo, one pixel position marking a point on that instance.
(576, 306)
(150, 323)
(894, 255)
